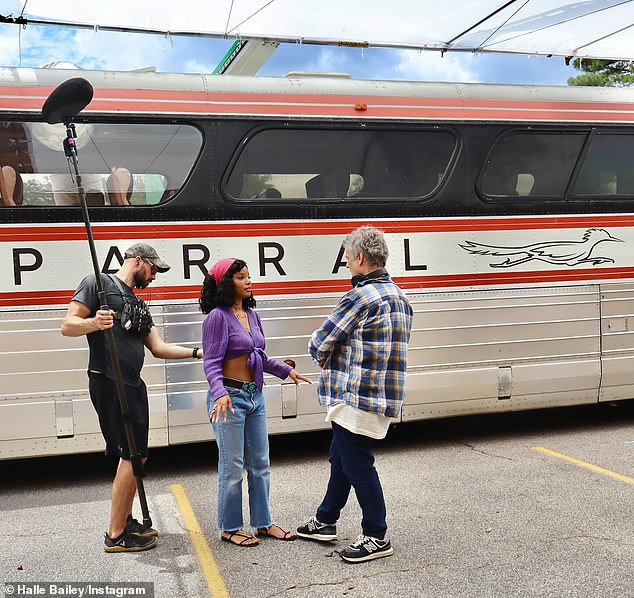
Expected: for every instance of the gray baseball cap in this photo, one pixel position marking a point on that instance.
(147, 252)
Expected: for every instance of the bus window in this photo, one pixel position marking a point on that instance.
(14, 160)
(311, 164)
(608, 167)
(530, 163)
(121, 164)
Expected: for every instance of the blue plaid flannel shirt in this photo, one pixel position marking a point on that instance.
(363, 348)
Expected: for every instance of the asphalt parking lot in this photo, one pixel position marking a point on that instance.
(522, 504)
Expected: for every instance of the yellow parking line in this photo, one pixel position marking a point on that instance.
(208, 564)
(601, 470)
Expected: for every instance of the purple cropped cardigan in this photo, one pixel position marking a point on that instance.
(225, 338)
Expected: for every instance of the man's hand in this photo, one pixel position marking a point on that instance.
(104, 319)
(78, 322)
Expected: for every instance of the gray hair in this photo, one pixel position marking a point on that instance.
(370, 242)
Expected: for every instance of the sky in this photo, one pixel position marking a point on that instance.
(35, 45)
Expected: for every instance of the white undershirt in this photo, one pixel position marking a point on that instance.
(358, 421)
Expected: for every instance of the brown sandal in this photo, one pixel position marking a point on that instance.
(239, 534)
(286, 536)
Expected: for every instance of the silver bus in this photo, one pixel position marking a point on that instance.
(508, 210)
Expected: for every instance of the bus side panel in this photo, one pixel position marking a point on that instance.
(503, 350)
(44, 405)
(288, 324)
(617, 341)
(45, 408)
(186, 384)
(154, 374)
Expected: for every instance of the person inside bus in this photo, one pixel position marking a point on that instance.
(15, 158)
(362, 351)
(234, 363)
(131, 335)
(10, 187)
(120, 186)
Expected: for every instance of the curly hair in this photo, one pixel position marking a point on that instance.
(370, 242)
(212, 295)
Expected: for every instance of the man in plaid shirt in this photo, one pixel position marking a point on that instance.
(362, 350)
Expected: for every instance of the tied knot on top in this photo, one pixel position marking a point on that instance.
(255, 362)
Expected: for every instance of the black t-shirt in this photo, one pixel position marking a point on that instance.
(129, 345)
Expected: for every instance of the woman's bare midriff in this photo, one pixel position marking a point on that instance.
(237, 369)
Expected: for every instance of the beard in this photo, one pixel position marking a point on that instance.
(139, 281)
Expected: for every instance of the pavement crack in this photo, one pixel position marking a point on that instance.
(349, 583)
(477, 450)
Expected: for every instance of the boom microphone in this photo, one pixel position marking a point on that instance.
(67, 100)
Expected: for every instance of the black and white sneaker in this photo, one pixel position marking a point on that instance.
(366, 548)
(313, 530)
(138, 529)
(128, 542)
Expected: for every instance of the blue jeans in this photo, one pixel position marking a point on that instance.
(243, 442)
(352, 465)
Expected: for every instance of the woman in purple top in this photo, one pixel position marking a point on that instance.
(234, 362)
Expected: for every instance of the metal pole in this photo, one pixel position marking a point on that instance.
(70, 149)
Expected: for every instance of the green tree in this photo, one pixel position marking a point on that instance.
(603, 73)
(37, 190)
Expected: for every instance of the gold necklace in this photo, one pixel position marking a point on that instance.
(243, 318)
(240, 314)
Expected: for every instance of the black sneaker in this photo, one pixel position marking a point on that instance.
(366, 548)
(313, 530)
(138, 529)
(128, 542)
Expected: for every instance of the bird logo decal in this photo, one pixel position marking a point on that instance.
(561, 253)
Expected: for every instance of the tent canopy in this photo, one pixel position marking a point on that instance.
(581, 28)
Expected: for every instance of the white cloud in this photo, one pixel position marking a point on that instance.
(96, 49)
(9, 49)
(196, 66)
(328, 61)
(120, 51)
(431, 66)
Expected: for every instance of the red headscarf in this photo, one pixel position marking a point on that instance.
(219, 269)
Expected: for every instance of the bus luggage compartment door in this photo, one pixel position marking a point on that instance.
(617, 341)
(503, 350)
(289, 400)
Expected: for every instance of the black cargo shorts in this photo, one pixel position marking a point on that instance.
(103, 394)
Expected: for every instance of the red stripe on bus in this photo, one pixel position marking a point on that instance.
(152, 97)
(238, 229)
(371, 100)
(153, 101)
(42, 297)
(300, 109)
(40, 93)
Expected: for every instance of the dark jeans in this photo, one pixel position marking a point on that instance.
(352, 465)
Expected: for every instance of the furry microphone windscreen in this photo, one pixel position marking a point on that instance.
(67, 100)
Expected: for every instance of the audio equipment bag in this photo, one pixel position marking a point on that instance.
(135, 315)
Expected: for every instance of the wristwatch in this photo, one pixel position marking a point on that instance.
(195, 353)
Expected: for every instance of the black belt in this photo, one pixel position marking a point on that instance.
(233, 383)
